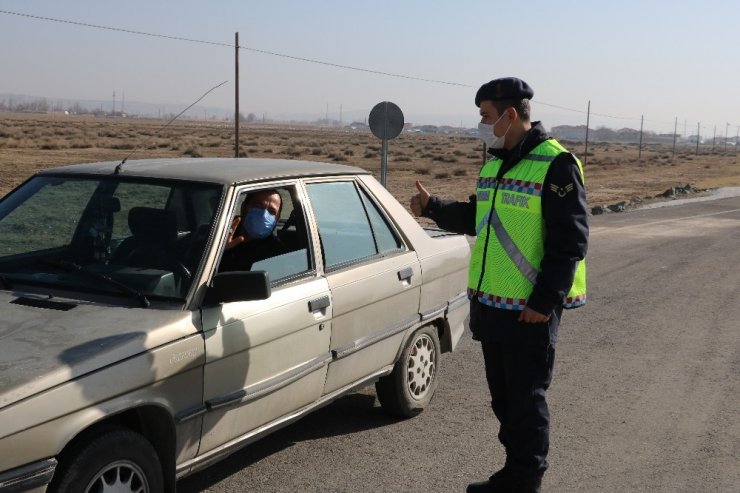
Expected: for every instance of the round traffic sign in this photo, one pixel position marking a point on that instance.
(386, 120)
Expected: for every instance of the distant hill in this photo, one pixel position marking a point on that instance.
(23, 102)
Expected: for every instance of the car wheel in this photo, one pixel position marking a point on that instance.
(411, 385)
(118, 460)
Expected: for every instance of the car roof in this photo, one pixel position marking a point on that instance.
(213, 170)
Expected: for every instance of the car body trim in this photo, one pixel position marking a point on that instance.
(458, 301)
(214, 455)
(190, 413)
(268, 386)
(434, 312)
(360, 344)
(27, 477)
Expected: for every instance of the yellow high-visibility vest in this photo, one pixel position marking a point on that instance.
(510, 239)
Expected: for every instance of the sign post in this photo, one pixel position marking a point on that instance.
(386, 123)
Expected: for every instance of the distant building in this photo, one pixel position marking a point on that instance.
(357, 126)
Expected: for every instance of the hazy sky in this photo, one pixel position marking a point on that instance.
(660, 59)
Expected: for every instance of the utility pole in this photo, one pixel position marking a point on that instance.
(675, 127)
(727, 127)
(714, 138)
(698, 137)
(639, 152)
(113, 111)
(236, 94)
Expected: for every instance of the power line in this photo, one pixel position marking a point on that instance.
(349, 67)
(584, 113)
(118, 29)
(303, 59)
(214, 43)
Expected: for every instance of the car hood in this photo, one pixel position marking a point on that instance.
(42, 347)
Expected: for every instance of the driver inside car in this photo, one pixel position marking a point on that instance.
(252, 236)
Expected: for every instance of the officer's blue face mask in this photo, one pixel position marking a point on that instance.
(258, 223)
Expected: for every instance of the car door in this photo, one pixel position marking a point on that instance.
(268, 358)
(373, 277)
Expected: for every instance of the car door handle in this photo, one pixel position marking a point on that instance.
(405, 274)
(318, 304)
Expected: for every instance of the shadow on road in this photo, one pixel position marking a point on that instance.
(350, 414)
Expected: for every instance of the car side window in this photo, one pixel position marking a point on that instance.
(282, 250)
(350, 226)
(385, 238)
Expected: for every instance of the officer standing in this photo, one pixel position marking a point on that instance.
(530, 217)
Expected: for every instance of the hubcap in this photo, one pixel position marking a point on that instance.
(422, 366)
(119, 477)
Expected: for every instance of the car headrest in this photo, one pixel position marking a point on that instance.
(152, 225)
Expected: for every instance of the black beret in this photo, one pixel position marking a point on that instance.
(504, 88)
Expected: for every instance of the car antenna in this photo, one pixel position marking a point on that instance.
(119, 167)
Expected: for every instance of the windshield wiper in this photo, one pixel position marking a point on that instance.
(71, 266)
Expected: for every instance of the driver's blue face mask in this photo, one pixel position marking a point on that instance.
(258, 223)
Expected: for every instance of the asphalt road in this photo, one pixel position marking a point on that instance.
(645, 398)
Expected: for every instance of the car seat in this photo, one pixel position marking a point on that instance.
(152, 243)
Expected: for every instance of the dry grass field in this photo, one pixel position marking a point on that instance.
(447, 165)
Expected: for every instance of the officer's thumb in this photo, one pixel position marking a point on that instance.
(421, 189)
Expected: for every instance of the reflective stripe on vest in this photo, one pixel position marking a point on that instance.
(511, 249)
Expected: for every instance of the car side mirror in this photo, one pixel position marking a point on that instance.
(238, 286)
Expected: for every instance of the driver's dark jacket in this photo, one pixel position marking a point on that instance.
(566, 239)
(243, 255)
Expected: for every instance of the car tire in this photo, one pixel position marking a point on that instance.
(410, 386)
(117, 460)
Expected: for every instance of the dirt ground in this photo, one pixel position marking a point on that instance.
(446, 164)
(644, 371)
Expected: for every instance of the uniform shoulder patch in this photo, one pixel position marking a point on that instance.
(561, 191)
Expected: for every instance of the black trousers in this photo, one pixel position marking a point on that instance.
(519, 372)
(518, 376)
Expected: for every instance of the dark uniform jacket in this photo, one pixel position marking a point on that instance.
(566, 239)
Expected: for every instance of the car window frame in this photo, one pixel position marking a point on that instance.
(386, 218)
(359, 188)
(233, 209)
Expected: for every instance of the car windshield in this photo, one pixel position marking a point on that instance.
(132, 238)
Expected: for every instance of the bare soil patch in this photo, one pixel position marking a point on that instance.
(446, 164)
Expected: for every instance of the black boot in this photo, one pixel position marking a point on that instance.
(526, 485)
(499, 482)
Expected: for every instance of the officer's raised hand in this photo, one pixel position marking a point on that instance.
(420, 200)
